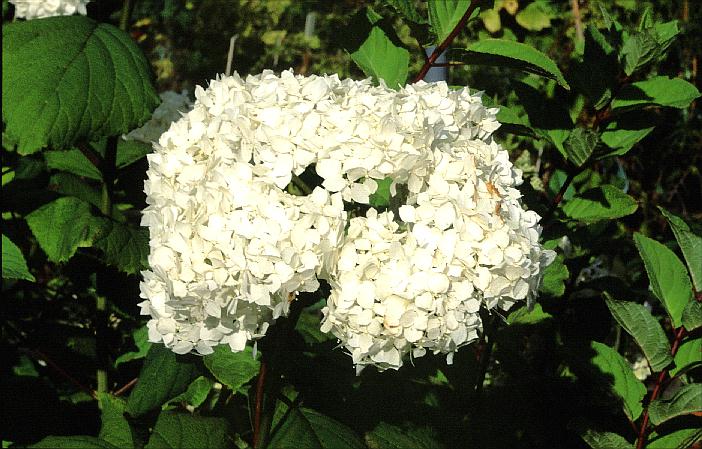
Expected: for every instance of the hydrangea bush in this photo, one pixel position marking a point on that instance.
(292, 218)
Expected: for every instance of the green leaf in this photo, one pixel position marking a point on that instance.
(125, 247)
(73, 442)
(195, 395)
(378, 55)
(13, 264)
(690, 244)
(72, 185)
(66, 79)
(657, 91)
(408, 10)
(625, 131)
(444, 15)
(647, 45)
(692, 316)
(64, 225)
(600, 203)
(555, 275)
(511, 54)
(524, 316)
(548, 117)
(680, 439)
(689, 353)
(141, 341)
(624, 384)
(604, 440)
(685, 401)
(580, 145)
(308, 325)
(72, 161)
(163, 376)
(536, 16)
(667, 275)
(115, 428)
(381, 197)
(556, 182)
(183, 431)
(387, 436)
(596, 75)
(232, 369)
(638, 322)
(130, 151)
(303, 428)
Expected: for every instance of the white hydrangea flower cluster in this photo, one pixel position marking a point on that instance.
(230, 247)
(37, 9)
(173, 106)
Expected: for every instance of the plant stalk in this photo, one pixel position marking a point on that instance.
(641, 441)
(439, 50)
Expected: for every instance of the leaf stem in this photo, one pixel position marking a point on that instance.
(641, 441)
(124, 17)
(439, 50)
(302, 185)
(258, 411)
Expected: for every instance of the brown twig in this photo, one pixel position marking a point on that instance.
(126, 387)
(575, 6)
(641, 441)
(39, 355)
(439, 50)
(258, 410)
(90, 154)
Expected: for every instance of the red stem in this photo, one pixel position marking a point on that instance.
(39, 355)
(259, 404)
(641, 442)
(126, 387)
(449, 39)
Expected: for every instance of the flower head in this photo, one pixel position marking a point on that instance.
(230, 247)
(37, 9)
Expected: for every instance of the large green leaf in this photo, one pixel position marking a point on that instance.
(692, 316)
(596, 75)
(64, 225)
(408, 9)
(547, 117)
(163, 376)
(555, 275)
(387, 436)
(625, 131)
(690, 244)
(600, 203)
(233, 369)
(604, 440)
(379, 55)
(640, 324)
(184, 431)
(72, 185)
(114, 428)
(525, 316)
(580, 145)
(511, 54)
(689, 353)
(72, 161)
(13, 264)
(647, 45)
(195, 395)
(685, 401)
(125, 246)
(141, 341)
(624, 384)
(444, 15)
(657, 91)
(130, 151)
(667, 275)
(680, 439)
(66, 79)
(303, 428)
(73, 442)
